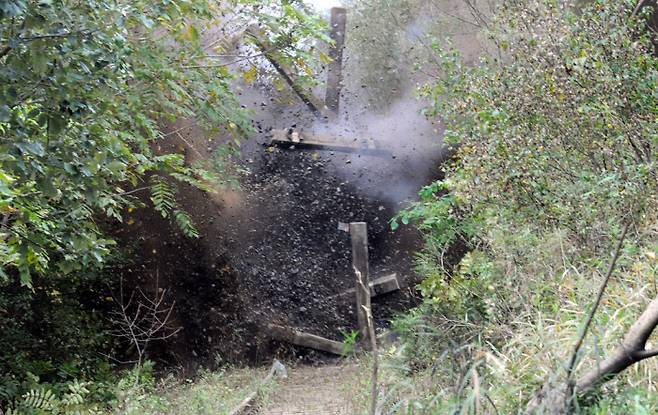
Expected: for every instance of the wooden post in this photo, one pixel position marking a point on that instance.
(359, 236)
(335, 69)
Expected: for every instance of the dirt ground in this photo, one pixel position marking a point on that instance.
(324, 390)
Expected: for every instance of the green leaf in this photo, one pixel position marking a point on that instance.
(11, 8)
(33, 148)
(26, 277)
(394, 224)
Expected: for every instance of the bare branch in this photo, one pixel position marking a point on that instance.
(631, 351)
(142, 319)
(597, 302)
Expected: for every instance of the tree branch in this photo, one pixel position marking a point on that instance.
(645, 354)
(631, 351)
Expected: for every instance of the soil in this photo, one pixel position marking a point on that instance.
(271, 251)
(280, 258)
(323, 390)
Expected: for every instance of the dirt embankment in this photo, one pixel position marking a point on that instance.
(269, 252)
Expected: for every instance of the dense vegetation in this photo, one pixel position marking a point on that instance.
(552, 191)
(87, 90)
(555, 158)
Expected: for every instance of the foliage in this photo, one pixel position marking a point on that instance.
(44, 401)
(81, 105)
(87, 91)
(288, 27)
(209, 393)
(560, 129)
(349, 341)
(555, 140)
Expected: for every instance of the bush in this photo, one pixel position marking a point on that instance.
(555, 141)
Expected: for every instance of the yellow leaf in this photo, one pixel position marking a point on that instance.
(279, 85)
(250, 75)
(324, 58)
(191, 34)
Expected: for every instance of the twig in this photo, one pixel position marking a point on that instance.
(191, 147)
(221, 65)
(8, 48)
(597, 302)
(144, 322)
(637, 8)
(129, 192)
(375, 362)
(493, 405)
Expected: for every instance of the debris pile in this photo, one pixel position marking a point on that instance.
(291, 255)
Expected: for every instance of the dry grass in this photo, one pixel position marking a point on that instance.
(211, 393)
(495, 366)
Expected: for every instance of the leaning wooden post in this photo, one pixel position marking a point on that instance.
(359, 236)
(335, 69)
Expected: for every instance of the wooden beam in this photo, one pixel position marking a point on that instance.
(335, 68)
(359, 238)
(378, 286)
(302, 139)
(275, 57)
(291, 335)
(384, 285)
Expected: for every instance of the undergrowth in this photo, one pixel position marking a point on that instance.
(555, 141)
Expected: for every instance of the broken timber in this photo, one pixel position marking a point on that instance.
(359, 238)
(296, 337)
(378, 286)
(292, 138)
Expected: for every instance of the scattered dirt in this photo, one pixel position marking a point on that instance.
(276, 256)
(296, 260)
(271, 251)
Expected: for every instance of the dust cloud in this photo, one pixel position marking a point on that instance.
(411, 144)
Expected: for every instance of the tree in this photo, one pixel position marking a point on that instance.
(84, 91)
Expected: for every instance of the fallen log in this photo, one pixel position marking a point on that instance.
(299, 338)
